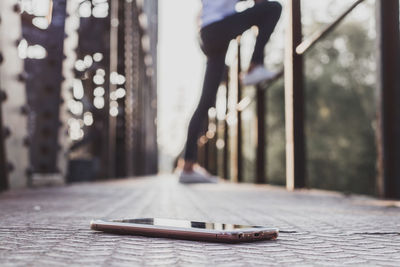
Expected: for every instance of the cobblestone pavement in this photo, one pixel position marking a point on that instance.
(50, 226)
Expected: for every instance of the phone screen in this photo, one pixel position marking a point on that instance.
(186, 224)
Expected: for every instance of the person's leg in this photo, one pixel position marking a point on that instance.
(265, 15)
(213, 75)
(265, 28)
(215, 40)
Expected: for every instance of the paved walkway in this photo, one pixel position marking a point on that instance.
(50, 226)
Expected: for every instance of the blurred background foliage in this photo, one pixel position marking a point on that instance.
(340, 113)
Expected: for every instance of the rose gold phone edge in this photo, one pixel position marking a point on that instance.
(234, 236)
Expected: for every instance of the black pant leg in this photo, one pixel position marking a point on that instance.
(213, 75)
(266, 27)
(264, 15)
(215, 40)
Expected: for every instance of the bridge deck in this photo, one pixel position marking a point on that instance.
(50, 226)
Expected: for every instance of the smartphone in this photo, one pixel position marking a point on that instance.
(187, 230)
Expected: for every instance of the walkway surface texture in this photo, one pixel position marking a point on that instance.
(50, 226)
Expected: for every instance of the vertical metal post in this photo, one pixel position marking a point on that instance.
(239, 118)
(106, 153)
(43, 87)
(261, 136)
(150, 31)
(92, 33)
(12, 78)
(114, 25)
(132, 104)
(388, 91)
(120, 155)
(140, 104)
(212, 147)
(206, 145)
(206, 151)
(139, 156)
(140, 153)
(294, 100)
(70, 49)
(226, 131)
(3, 158)
(130, 45)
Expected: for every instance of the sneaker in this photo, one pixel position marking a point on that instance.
(257, 75)
(196, 177)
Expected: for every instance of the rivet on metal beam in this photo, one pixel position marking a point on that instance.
(24, 110)
(17, 8)
(22, 77)
(6, 132)
(10, 167)
(3, 96)
(27, 141)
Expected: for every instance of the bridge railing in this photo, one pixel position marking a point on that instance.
(78, 91)
(388, 91)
